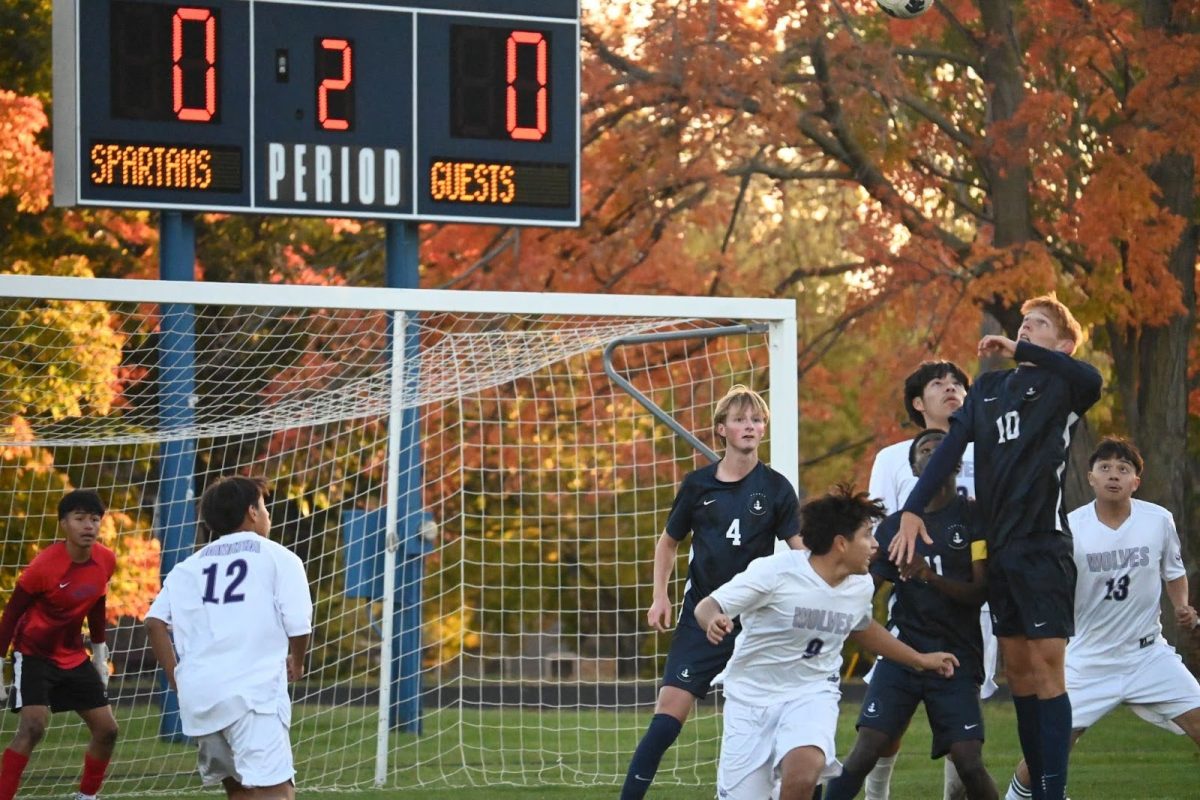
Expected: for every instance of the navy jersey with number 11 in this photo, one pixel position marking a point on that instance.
(731, 522)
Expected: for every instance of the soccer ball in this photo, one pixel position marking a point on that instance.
(905, 9)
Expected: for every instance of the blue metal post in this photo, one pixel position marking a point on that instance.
(176, 513)
(403, 258)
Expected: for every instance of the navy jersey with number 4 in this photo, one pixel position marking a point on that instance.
(1020, 421)
(731, 522)
(921, 616)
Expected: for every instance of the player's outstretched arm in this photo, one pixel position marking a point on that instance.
(904, 544)
(1084, 379)
(659, 616)
(715, 623)
(876, 639)
(164, 651)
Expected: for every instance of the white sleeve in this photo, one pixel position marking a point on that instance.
(750, 588)
(292, 598)
(1171, 565)
(881, 485)
(161, 607)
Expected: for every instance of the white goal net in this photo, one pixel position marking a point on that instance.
(476, 509)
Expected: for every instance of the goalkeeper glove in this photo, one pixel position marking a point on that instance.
(100, 661)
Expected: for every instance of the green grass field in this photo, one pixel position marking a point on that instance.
(1120, 759)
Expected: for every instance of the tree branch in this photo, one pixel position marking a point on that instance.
(943, 124)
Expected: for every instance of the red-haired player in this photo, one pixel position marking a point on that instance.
(43, 621)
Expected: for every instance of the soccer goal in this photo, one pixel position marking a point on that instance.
(476, 507)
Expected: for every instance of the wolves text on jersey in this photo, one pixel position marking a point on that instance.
(1123, 558)
(820, 619)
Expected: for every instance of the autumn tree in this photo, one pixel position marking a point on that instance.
(997, 149)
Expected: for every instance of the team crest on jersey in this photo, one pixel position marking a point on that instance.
(758, 504)
(872, 709)
(957, 537)
(1032, 393)
(685, 674)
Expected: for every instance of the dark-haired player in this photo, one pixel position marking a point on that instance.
(797, 609)
(935, 608)
(241, 615)
(1126, 551)
(932, 392)
(64, 584)
(1021, 421)
(735, 510)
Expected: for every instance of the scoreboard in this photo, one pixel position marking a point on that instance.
(454, 110)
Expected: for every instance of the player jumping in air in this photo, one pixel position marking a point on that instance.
(935, 608)
(64, 584)
(1125, 550)
(797, 609)
(1021, 421)
(241, 615)
(735, 510)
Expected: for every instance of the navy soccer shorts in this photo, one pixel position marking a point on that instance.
(41, 682)
(952, 705)
(1031, 587)
(693, 661)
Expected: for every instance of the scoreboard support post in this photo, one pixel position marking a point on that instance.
(176, 507)
(405, 563)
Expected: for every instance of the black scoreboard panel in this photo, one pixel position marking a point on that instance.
(423, 110)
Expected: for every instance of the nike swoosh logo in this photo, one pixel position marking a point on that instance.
(64, 585)
(988, 399)
(1038, 624)
(640, 778)
(706, 502)
(969, 727)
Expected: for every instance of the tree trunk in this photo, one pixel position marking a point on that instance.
(1158, 382)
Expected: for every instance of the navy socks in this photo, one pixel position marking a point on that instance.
(660, 735)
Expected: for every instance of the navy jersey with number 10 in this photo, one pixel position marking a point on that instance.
(731, 522)
(1020, 421)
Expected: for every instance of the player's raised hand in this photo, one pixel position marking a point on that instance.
(717, 629)
(993, 345)
(941, 663)
(659, 615)
(904, 544)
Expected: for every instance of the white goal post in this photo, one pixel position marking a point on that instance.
(476, 509)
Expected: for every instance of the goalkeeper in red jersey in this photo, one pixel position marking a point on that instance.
(43, 621)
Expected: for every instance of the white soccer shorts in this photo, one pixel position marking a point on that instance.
(756, 738)
(254, 751)
(1157, 688)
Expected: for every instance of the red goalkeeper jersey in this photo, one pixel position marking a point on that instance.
(44, 617)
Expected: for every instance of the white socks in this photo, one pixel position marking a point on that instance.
(954, 788)
(878, 784)
(1017, 790)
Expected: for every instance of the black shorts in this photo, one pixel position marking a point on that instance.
(1031, 587)
(693, 661)
(952, 705)
(41, 682)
